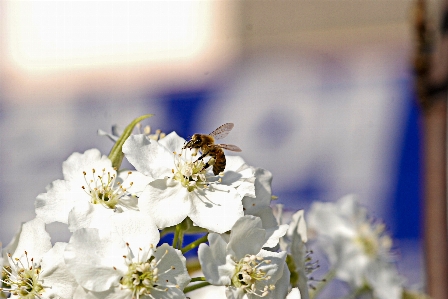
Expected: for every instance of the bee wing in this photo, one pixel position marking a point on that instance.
(222, 131)
(230, 147)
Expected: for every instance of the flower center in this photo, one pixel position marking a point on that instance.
(248, 274)
(373, 240)
(20, 280)
(191, 174)
(142, 277)
(104, 188)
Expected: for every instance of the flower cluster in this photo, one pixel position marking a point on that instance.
(117, 217)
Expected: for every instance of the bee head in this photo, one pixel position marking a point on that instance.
(194, 142)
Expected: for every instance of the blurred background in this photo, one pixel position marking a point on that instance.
(321, 94)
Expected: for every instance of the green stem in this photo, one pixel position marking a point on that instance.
(176, 237)
(195, 244)
(357, 292)
(181, 238)
(196, 286)
(200, 278)
(328, 277)
(116, 154)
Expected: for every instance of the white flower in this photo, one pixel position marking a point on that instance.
(294, 294)
(294, 243)
(355, 245)
(241, 264)
(118, 131)
(181, 186)
(108, 267)
(384, 280)
(263, 194)
(35, 269)
(89, 178)
(259, 206)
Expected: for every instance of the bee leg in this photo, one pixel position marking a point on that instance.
(209, 163)
(202, 156)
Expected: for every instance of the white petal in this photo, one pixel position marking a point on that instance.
(274, 234)
(263, 184)
(217, 269)
(235, 293)
(148, 156)
(172, 267)
(171, 293)
(215, 210)
(266, 215)
(139, 181)
(166, 202)
(385, 280)
(299, 225)
(247, 237)
(263, 194)
(11, 247)
(114, 293)
(172, 142)
(235, 163)
(299, 256)
(55, 274)
(73, 167)
(33, 239)
(294, 294)
(325, 218)
(240, 176)
(281, 285)
(135, 228)
(91, 257)
(211, 291)
(56, 203)
(87, 215)
(246, 188)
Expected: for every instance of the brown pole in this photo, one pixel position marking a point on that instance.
(431, 64)
(435, 224)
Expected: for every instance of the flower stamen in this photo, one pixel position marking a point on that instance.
(248, 273)
(22, 281)
(142, 278)
(105, 190)
(191, 174)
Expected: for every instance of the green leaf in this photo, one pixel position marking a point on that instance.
(414, 295)
(116, 153)
(294, 277)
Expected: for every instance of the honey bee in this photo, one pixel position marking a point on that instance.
(206, 143)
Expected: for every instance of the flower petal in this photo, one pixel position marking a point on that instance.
(299, 225)
(217, 269)
(56, 203)
(148, 156)
(135, 228)
(166, 202)
(247, 237)
(294, 294)
(275, 269)
(73, 167)
(91, 257)
(114, 293)
(274, 234)
(235, 293)
(172, 142)
(55, 274)
(215, 209)
(33, 239)
(281, 285)
(172, 268)
(87, 215)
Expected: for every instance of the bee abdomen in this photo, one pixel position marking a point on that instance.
(220, 162)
